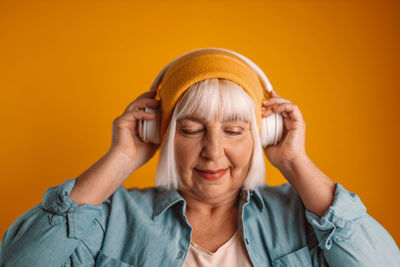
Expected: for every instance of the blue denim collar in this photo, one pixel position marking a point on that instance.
(166, 198)
(247, 195)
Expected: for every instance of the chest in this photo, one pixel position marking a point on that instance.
(232, 254)
(211, 240)
(166, 241)
(211, 233)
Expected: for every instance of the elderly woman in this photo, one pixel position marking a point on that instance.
(211, 206)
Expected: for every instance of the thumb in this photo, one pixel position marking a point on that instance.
(274, 94)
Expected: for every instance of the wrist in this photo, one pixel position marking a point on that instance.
(290, 167)
(98, 182)
(313, 186)
(123, 160)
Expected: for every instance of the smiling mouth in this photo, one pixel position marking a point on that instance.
(212, 175)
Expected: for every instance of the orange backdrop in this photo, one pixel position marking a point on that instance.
(68, 68)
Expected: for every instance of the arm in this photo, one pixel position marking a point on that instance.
(68, 226)
(290, 157)
(126, 154)
(106, 175)
(347, 235)
(53, 231)
(315, 188)
(65, 224)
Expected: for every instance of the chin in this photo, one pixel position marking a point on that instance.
(215, 191)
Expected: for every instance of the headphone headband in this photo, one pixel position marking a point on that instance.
(264, 79)
(205, 63)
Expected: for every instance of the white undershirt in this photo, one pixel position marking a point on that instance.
(231, 254)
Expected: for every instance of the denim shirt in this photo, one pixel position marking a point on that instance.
(148, 227)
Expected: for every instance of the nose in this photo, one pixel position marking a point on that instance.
(213, 147)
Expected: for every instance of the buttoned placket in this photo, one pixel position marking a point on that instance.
(245, 196)
(182, 251)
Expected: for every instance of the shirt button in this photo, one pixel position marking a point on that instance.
(180, 254)
(247, 241)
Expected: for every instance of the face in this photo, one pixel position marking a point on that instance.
(213, 157)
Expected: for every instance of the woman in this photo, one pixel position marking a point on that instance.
(211, 207)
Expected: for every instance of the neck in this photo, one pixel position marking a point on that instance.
(214, 221)
(223, 208)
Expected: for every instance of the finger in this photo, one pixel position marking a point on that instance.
(266, 112)
(267, 104)
(275, 100)
(269, 112)
(132, 116)
(143, 103)
(274, 94)
(285, 115)
(291, 109)
(149, 94)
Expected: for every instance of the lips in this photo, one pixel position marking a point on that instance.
(212, 175)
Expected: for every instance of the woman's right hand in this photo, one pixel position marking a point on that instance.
(125, 137)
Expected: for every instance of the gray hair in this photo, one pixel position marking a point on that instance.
(211, 98)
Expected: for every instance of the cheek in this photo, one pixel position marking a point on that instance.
(185, 154)
(240, 153)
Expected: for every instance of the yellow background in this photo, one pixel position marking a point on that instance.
(68, 68)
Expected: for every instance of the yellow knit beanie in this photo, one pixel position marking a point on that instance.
(204, 64)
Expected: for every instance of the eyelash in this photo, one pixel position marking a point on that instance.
(234, 133)
(191, 132)
(198, 131)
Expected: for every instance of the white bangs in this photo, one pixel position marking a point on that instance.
(216, 98)
(211, 99)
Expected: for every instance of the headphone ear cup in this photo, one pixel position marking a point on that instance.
(271, 129)
(279, 127)
(149, 130)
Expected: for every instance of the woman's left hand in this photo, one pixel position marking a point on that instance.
(316, 190)
(292, 144)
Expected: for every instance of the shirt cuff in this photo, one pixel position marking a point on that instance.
(338, 222)
(63, 209)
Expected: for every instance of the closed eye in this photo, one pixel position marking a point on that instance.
(188, 132)
(233, 132)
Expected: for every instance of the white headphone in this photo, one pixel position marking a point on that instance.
(271, 127)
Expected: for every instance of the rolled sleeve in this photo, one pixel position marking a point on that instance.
(63, 209)
(55, 230)
(336, 223)
(349, 236)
